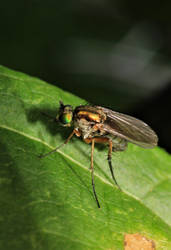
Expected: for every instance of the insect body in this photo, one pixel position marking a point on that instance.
(96, 124)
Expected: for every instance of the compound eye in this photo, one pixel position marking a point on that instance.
(66, 118)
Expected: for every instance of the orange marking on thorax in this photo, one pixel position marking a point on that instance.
(89, 115)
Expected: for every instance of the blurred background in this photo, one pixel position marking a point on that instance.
(112, 53)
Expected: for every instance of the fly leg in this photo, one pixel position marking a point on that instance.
(92, 141)
(101, 140)
(110, 162)
(92, 172)
(67, 140)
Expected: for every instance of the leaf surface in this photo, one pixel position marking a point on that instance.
(48, 203)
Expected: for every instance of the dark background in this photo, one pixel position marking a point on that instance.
(111, 53)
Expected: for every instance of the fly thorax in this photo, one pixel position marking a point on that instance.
(84, 126)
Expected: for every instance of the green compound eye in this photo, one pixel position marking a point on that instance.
(66, 118)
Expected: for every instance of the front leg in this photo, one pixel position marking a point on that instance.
(58, 147)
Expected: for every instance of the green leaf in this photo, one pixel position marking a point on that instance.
(48, 203)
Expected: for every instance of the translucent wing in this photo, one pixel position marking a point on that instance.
(129, 128)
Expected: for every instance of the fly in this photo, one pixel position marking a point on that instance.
(96, 124)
